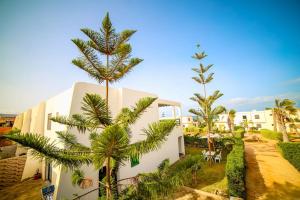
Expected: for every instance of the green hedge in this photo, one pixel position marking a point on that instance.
(273, 135)
(235, 170)
(239, 133)
(291, 152)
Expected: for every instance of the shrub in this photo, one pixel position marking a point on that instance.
(239, 133)
(235, 170)
(273, 135)
(237, 127)
(291, 152)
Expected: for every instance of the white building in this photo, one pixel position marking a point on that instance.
(188, 121)
(37, 120)
(256, 119)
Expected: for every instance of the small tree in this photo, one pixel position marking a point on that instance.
(206, 110)
(283, 111)
(115, 49)
(110, 139)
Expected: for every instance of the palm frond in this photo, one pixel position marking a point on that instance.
(44, 149)
(95, 110)
(129, 116)
(78, 121)
(155, 136)
(70, 141)
(77, 177)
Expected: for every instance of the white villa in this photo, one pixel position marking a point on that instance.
(263, 119)
(189, 121)
(37, 120)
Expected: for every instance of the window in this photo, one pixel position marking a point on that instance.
(49, 121)
(134, 161)
(256, 116)
(258, 126)
(244, 117)
(271, 114)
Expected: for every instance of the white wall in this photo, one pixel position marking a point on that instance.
(69, 103)
(36, 127)
(60, 104)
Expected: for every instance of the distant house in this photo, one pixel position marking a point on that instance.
(37, 120)
(263, 119)
(188, 121)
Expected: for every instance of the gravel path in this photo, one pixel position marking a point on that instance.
(268, 174)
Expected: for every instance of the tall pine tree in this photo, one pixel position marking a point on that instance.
(206, 111)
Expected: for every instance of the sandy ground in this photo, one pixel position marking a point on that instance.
(27, 190)
(269, 175)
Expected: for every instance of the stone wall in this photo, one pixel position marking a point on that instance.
(11, 170)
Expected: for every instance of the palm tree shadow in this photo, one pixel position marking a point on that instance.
(285, 191)
(255, 185)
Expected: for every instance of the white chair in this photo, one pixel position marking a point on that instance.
(218, 157)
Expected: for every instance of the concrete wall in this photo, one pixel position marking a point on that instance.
(58, 105)
(36, 127)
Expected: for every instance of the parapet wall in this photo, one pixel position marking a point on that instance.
(11, 170)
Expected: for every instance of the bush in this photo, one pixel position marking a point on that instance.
(273, 135)
(291, 152)
(237, 127)
(235, 170)
(239, 133)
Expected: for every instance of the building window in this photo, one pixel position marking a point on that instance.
(258, 125)
(256, 116)
(244, 117)
(271, 114)
(134, 161)
(49, 121)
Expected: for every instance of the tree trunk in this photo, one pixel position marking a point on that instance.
(209, 144)
(285, 137)
(108, 185)
(274, 120)
(106, 96)
(284, 133)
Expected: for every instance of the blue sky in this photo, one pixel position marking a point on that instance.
(254, 46)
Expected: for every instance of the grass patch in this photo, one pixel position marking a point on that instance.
(209, 178)
(272, 135)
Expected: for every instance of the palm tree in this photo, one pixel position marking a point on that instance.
(205, 102)
(231, 116)
(284, 109)
(115, 49)
(109, 138)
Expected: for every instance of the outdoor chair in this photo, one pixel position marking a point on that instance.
(218, 157)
